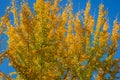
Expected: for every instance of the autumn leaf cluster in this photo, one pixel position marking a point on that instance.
(53, 43)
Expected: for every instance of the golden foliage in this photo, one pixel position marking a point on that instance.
(45, 44)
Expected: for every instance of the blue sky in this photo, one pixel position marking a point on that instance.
(111, 5)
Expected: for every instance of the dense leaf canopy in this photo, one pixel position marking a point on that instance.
(52, 43)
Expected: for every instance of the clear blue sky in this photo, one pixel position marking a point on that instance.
(111, 5)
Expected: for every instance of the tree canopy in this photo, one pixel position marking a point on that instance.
(53, 43)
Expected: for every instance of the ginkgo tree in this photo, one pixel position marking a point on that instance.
(53, 43)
